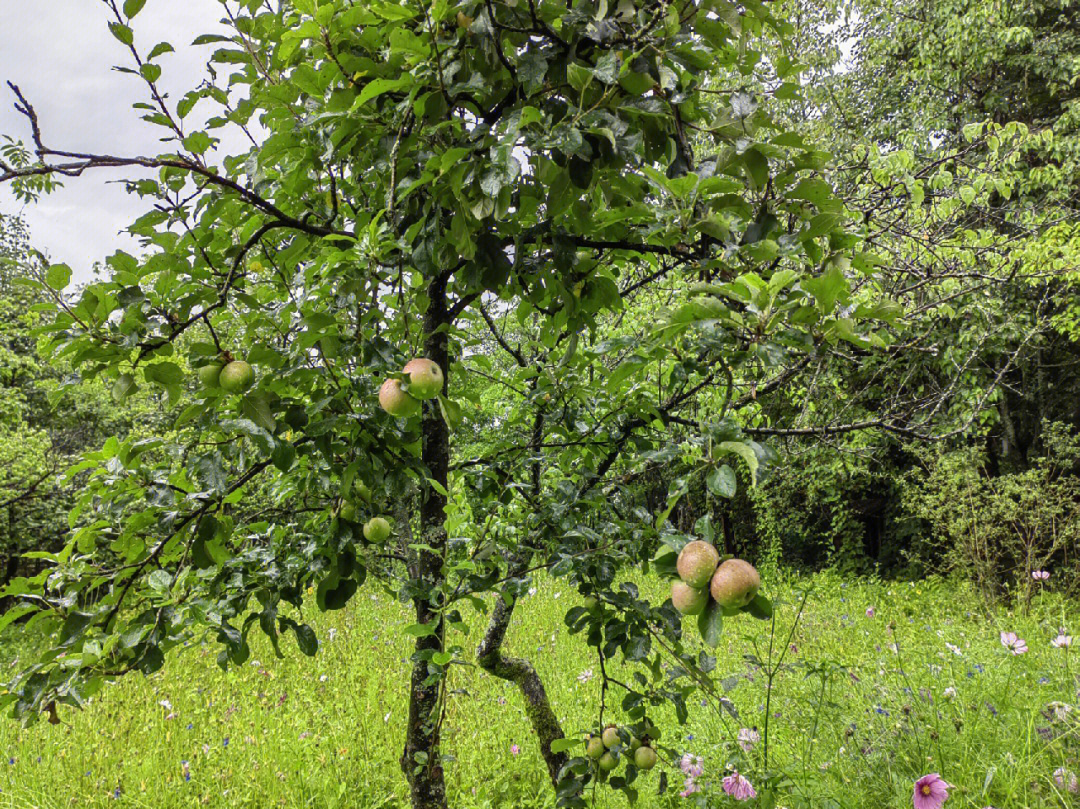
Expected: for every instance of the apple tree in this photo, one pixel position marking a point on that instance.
(577, 211)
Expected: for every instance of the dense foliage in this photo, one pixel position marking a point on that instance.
(663, 310)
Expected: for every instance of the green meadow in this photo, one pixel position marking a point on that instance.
(861, 705)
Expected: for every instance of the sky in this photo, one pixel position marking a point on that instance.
(60, 53)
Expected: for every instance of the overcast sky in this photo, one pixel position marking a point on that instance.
(61, 54)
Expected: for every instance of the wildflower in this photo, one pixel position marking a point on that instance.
(1062, 641)
(869, 612)
(1060, 710)
(931, 791)
(585, 676)
(954, 649)
(738, 787)
(514, 749)
(322, 678)
(532, 591)
(1014, 644)
(501, 700)
(165, 704)
(748, 737)
(949, 693)
(1040, 575)
(225, 742)
(185, 769)
(689, 788)
(692, 765)
(1066, 780)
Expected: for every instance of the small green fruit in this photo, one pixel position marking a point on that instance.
(645, 758)
(610, 736)
(376, 529)
(735, 583)
(237, 377)
(348, 512)
(363, 491)
(210, 375)
(591, 604)
(607, 762)
(635, 743)
(397, 402)
(425, 378)
(696, 563)
(594, 748)
(688, 600)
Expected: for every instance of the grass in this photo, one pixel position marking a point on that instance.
(852, 722)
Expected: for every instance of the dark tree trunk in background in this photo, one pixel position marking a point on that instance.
(421, 760)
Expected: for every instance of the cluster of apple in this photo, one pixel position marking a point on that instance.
(377, 529)
(607, 748)
(732, 584)
(232, 376)
(425, 381)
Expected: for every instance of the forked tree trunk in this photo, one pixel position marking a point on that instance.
(521, 672)
(421, 760)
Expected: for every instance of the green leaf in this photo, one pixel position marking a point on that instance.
(722, 481)
(133, 7)
(711, 624)
(377, 87)
(564, 744)
(163, 374)
(58, 276)
(744, 451)
(760, 607)
(122, 32)
(258, 410)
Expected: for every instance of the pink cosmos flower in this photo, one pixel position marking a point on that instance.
(747, 738)
(514, 749)
(693, 766)
(738, 787)
(1040, 575)
(1014, 644)
(1062, 641)
(1066, 780)
(931, 791)
(869, 612)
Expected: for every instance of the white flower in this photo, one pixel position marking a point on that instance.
(585, 676)
(1062, 641)
(165, 704)
(747, 738)
(949, 693)
(954, 649)
(532, 591)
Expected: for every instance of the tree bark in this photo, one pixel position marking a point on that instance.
(521, 672)
(421, 759)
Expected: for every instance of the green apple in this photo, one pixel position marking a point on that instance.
(376, 529)
(237, 377)
(397, 402)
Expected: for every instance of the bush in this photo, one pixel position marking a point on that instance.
(999, 530)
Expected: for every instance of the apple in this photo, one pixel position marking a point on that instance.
(347, 512)
(591, 605)
(688, 600)
(735, 583)
(610, 736)
(645, 758)
(363, 491)
(594, 747)
(607, 762)
(376, 529)
(425, 378)
(397, 402)
(210, 375)
(237, 377)
(696, 563)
